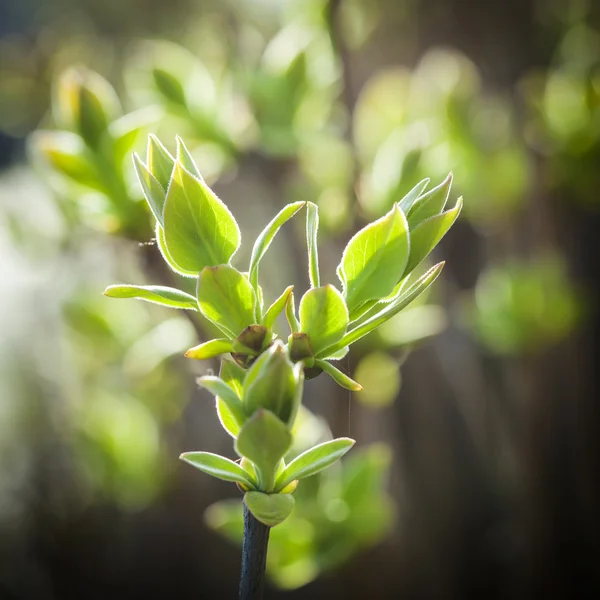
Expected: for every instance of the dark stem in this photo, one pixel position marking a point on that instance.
(254, 557)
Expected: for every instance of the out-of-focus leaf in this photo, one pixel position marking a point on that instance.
(157, 294)
(199, 229)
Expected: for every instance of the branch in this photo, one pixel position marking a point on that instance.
(254, 557)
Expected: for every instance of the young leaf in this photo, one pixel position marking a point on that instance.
(408, 200)
(210, 349)
(340, 378)
(199, 229)
(276, 308)
(314, 460)
(154, 193)
(312, 228)
(374, 259)
(323, 316)
(226, 298)
(125, 130)
(219, 467)
(427, 235)
(233, 376)
(263, 241)
(162, 246)
(160, 162)
(430, 204)
(186, 159)
(275, 386)
(269, 509)
(216, 386)
(387, 313)
(290, 314)
(157, 294)
(169, 86)
(264, 440)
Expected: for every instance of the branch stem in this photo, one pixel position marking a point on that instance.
(254, 557)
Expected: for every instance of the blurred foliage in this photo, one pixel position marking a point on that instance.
(258, 87)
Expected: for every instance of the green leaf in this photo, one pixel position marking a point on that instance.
(159, 161)
(269, 509)
(162, 246)
(314, 460)
(216, 386)
(275, 387)
(387, 313)
(169, 86)
(427, 235)
(125, 130)
(65, 153)
(263, 241)
(312, 229)
(430, 204)
(276, 308)
(226, 298)
(323, 316)
(154, 193)
(186, 159)
(233, 376)
(219, 467)
(374, 260)
(264, 440)
(156, 294)
(93, 117)
(210, 349)
(408, 200)
(340, 378)
(199, 229)
(290, 314)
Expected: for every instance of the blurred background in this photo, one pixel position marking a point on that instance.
(476, 472)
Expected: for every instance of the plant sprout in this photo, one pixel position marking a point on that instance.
(259, 388)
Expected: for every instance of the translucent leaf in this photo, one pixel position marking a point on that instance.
(125, 130)
(340, 378)
(156, 294)
(232, 375)
(65, 153)
(264, 440)
(269, 509)
(226, 298)
(159, 161)
(314, 460)
(427, 235)
(186, 159)
(312, 228)
(275, 387)
(430, 204)
(323, 316)
(408, 200)
(276, 308)
(388, 312)
(263, 241)
(210, 349)
(217, 387)
(219, 467)
(162, 246)
(374, 259)
(154, 193)
(199, 229)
